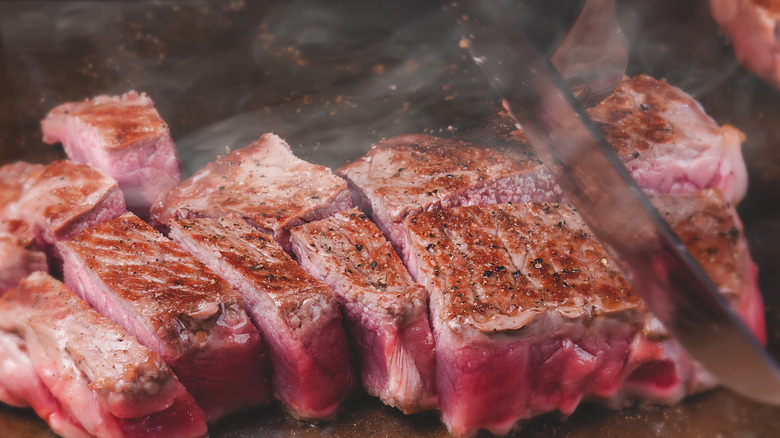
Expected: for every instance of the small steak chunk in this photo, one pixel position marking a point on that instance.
(16, 261)
(263, 183)
(175, 306)
(66, 355)
(122, 136)
(297, 315)
(47, 204)
(385, 309)
(751, 25)
(530, 315)
(663, 136)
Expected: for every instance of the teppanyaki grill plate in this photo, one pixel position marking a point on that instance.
(333, 77)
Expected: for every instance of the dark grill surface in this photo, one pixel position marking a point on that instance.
(331, 77)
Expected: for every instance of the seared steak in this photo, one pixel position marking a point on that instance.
(297, 315)
(386, 311)
(84, 374)
(663, 136)
(46, 204)
(175, 306)
(751, 25)
(530, 315)
(16, 261)
(263, 183)
(122, 136)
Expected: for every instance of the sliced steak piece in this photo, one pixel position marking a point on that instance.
(175, 306)
(385, 309)
(530, 315)
(663, 136)
(122, 136)
(16, 261)
(297, 315)
(263, 183)
(97, 380)
(751, 25)
(47, 204)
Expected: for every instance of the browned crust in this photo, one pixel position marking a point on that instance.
(153, 274)
(243, 182)
(496, 267)
(260, 260)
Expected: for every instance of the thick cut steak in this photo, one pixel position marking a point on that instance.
(82, 373)
(385, 309)
(175, 306)
(47, 204)
(751, 25)
(530, 315)
(16, 261)
(663, 136)
(297, 315)
(264, 183)
(122, 136)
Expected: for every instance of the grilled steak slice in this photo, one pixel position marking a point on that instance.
(297, 315)
(385, 310)
(122, 136)
(751, 26)
(46, 204)
(263, 183)
(96, 379)
(530, 315)
(175, 306)
(16, 261)
(663, 136)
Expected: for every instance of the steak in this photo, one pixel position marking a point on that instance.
(176, 307)
(666, 141)
(123, 136)
(264, 183)
(530, 315)
(47, 204)
(751, 26)
(385, 310)
(63, 355)
(297, 315)
(16, 261)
